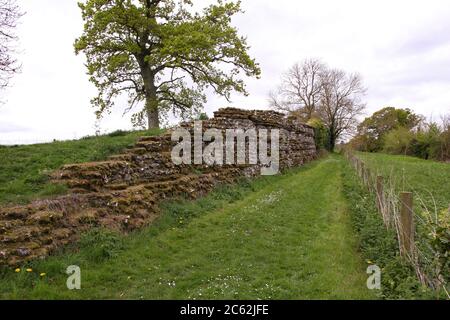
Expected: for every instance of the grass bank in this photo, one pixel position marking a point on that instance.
(24, 170)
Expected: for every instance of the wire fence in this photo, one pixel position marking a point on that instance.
(418, 228)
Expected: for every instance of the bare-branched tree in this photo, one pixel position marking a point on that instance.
(9, 15)
(340, 103)
(300, 88)
(311, 90)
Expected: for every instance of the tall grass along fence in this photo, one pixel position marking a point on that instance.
(422, 236)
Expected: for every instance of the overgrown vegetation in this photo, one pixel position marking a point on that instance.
(429, 182)
(401, 131)
(321, 138)
(278, 237)
(379, 245)
(25, 170)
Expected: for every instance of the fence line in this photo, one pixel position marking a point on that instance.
(397, 213)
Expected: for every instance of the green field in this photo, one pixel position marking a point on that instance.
(282, 237)
(429, 180)
(24, 170)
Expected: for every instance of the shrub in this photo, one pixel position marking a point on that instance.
(398, 141)
(426, 143)
(443, 152)
(440, 243)
(320, 134)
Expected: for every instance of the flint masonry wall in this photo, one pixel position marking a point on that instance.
(123, 192)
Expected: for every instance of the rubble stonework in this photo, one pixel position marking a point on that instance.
(123, 192)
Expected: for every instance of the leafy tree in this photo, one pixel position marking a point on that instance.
(426, 142)
(162, 54)
(373, 129)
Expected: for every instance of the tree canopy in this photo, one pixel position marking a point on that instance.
(300, 89)
(162, 55)
(373, 129)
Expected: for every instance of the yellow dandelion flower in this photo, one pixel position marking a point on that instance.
(369, 262)
(17, 270)
(29, 270)
(43, 274)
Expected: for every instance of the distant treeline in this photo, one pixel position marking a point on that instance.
(401, 131)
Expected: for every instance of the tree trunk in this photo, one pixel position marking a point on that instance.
(151, 107)
(331, 141)
(153, 118)
(151, 98)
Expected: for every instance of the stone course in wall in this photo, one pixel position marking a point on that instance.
(123, 192)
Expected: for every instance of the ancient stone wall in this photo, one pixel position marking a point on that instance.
(123, 192)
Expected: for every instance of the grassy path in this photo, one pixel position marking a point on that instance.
(289, 239)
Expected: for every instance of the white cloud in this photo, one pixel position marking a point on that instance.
(401, 48)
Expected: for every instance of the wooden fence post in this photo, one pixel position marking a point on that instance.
(357, 166)
(380, 194)
(406, 226)
(369, 179)
(363, 173)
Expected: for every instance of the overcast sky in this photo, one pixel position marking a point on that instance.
(401, 48)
